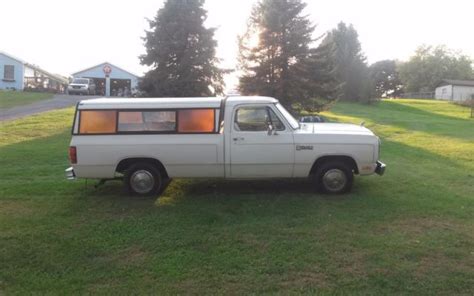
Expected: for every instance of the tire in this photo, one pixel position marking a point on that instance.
(143, 180)
(334, 178)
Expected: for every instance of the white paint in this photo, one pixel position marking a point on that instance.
(457, 93)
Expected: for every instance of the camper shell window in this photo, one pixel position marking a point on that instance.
(148, 121)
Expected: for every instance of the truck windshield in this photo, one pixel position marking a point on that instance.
(291, 120)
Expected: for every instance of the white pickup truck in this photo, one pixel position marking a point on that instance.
(149, 141)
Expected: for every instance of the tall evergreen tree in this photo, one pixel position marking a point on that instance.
(321, 86)
(350, 62)
(275, 52)
(181, 53)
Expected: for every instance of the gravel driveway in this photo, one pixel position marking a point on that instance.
(57, 102)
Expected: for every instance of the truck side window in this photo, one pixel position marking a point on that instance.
(256, 119)
(147, 121)
(196, 121)
(252, 119)
(97, 122)
(277, 124)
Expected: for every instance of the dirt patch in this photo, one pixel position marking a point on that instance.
(420, 226)
(133, 255)
(438, 263)
(15, 208)
(304, 280)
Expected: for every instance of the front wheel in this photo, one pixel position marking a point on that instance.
(143, 179)
(334, 178)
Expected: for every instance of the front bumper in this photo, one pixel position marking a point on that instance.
(78, 90)
(70, 175)
(380, 169)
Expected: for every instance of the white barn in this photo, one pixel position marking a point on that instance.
(455, 90)
(110, 80)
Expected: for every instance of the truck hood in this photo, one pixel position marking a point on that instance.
(333, 128)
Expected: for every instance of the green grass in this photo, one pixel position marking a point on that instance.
(10, 99)
(408, 232)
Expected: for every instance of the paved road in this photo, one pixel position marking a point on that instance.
(57, 102)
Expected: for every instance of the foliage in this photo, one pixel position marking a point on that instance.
(425, 70)
(276, 58)
(350, 63)
(181, 53)
(385, 78)
(412, 226)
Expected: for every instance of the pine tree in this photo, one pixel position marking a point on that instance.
(275, 50)
(181, 53)
(350, 63)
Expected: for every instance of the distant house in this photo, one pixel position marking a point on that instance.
(16, 74)
(455, 90)
(110, 80)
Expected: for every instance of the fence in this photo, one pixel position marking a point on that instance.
(418, 95)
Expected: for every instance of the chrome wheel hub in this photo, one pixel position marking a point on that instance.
(142, 181)
(334, 180)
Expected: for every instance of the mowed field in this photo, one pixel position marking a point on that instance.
(408, 232)
(10, 99)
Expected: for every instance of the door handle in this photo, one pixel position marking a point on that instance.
(238, 139)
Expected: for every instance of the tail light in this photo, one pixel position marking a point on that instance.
(73, 154)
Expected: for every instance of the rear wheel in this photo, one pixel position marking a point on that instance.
(334, 178)
(143, 179)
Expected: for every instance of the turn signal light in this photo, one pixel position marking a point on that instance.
(73, 154)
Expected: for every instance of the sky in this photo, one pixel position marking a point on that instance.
(64, 36)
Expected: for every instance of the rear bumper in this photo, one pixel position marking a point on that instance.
(70, 175)
(380, 169)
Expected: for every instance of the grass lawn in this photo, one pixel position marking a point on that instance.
(408, 232)
(10, 99)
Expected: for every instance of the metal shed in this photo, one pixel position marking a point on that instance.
(455, 90)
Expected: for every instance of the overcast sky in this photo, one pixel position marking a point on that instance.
(64, 36)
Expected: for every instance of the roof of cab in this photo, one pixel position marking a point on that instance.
(146, 103)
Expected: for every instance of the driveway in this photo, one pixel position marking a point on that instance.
(57, 102)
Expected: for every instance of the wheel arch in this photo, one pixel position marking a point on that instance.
(347, 159)
(125, 163)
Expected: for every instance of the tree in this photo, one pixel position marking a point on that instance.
(275, 55)
(322, 88)
(425, 70)
(385, 78)
(350, 63)
(181, 53)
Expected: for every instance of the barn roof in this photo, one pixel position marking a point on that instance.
(12, 57)
(103, 64)
(456, 82)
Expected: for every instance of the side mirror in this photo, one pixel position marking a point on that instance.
(270, 130)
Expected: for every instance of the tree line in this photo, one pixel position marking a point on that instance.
(280, 57)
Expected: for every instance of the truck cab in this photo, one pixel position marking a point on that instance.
(148, 141)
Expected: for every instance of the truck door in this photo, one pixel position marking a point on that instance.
(254, 151)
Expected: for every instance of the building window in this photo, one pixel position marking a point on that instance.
(153, 121)
(97, 122)
(196, 121)
(9, 73)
